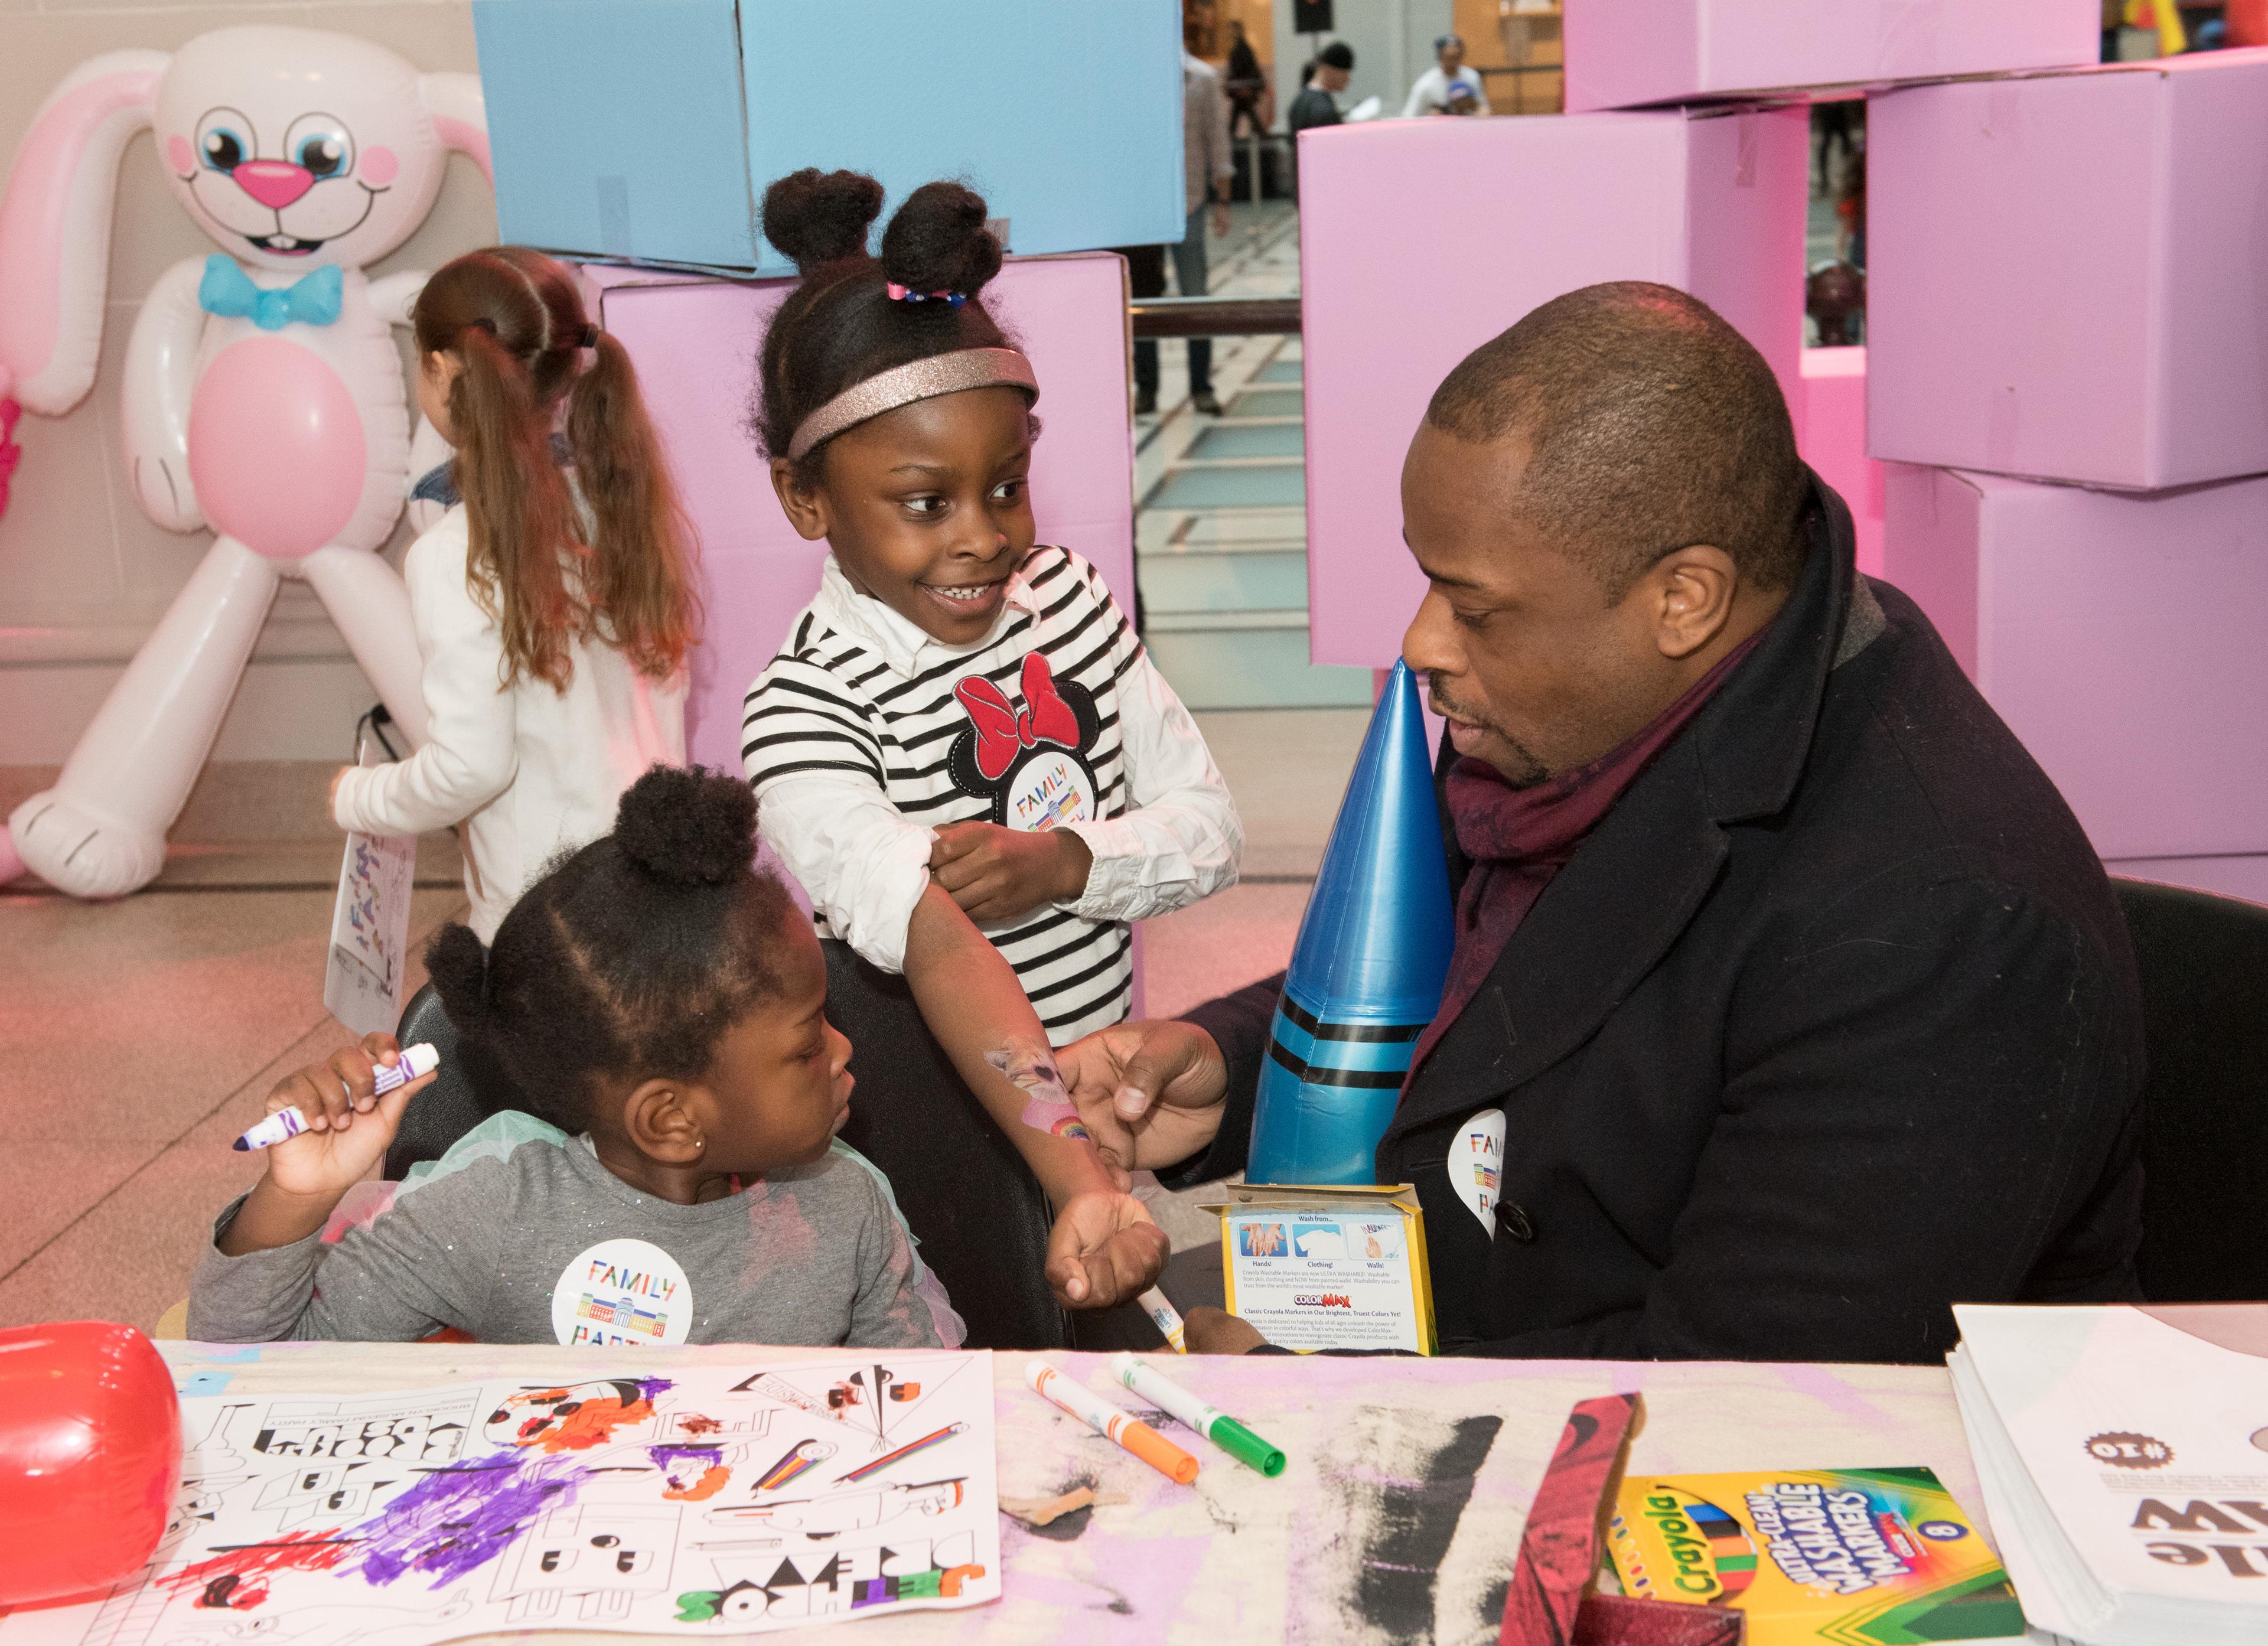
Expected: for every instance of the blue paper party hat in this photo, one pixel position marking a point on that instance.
(1367, 970)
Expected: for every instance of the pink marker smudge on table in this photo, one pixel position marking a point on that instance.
(1049, 1107)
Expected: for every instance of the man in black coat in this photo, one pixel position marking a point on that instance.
(1820, 1017)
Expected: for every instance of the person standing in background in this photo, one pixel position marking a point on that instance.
(1317, 104)
(1206, 172)
(1436, 91)
(1246, 85)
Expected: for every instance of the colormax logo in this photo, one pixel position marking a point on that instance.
(1322, 1300)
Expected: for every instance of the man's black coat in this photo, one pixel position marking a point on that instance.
(1831, 1024)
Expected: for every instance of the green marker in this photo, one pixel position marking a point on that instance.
(1214, 1424)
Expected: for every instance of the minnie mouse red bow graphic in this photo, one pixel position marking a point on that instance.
(1003, 731)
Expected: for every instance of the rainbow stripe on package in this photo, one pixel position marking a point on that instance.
(1856, 1557)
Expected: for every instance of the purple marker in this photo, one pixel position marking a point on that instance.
(416, 1062)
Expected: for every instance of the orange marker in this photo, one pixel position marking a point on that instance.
(1114, 1421)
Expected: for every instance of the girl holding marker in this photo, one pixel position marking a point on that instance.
(662, 1003)
(963, 752)
(554, 601)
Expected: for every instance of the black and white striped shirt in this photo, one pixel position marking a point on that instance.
(865, 733)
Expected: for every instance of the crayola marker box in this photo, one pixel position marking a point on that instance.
(1857, 1557)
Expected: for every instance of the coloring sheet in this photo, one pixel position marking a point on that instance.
(370, 932)
(712, 1502)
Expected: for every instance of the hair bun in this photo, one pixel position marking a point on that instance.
(937, 241)
(689, 826)
(819, 218)
(457, 961)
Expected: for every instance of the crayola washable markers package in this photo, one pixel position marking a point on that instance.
(1857, 1557)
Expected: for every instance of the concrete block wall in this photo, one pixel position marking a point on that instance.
(83, 575)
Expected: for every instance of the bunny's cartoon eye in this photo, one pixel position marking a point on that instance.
(321, 143)
(225, 140)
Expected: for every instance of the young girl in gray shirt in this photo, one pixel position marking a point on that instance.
(661, 1006)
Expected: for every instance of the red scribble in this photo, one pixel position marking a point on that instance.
(306, 1551)
(693, 1423)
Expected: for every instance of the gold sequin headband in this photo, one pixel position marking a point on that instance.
(920, 380)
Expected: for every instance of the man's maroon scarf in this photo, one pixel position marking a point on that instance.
(1518, 839)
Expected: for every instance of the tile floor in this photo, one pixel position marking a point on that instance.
(138, 1037)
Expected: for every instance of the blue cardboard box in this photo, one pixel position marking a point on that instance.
(646, 130)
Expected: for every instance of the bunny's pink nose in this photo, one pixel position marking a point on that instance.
(274, 184)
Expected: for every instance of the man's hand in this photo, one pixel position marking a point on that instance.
(349, 1126)
(1220, 219)
(1210, 1331)
(996, 873)
(1151, 1093)
(1104, 1249)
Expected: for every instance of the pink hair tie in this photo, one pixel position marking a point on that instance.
(906, 294)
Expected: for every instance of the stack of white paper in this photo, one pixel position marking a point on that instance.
(2123, 1457)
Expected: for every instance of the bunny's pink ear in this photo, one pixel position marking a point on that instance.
(55, 225)
(460, 116)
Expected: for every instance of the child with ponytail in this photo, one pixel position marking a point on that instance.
(963, 752)
(554, 601)
(662, 1003)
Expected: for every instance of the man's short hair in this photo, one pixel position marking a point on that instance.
(1652, 424)
(1445, 41)
(1337, 54)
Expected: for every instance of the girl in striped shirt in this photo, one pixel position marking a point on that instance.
(963, 752)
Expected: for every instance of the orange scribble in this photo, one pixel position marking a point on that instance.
(712, 1482)
(593, 1423)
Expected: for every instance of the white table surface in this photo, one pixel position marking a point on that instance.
(1398, 1519)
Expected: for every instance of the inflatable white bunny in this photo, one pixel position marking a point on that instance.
(263, 394)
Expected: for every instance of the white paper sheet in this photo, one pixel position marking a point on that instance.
(369, 928)
(709, 1503)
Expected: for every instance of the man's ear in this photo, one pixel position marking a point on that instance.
(806, 511)
(1691, 591)
(660, 1120)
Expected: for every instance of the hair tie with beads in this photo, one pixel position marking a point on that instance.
(906, 294)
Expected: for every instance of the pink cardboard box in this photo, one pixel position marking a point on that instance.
(1624, 53)
(1831, 432)
(2067, 279)
(2116, 635)
(1421, 240)
(694, 345)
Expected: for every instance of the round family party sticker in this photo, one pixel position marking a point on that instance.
(622, 1292)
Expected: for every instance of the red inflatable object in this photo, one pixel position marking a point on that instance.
(90, 1458)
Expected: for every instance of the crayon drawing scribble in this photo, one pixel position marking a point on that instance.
(575, 1417)
(695, 1473)
(1392, 1495)
(461, 1517)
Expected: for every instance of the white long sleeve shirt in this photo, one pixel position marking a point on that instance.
(530, 770)
(866, 734)
(1429, 95)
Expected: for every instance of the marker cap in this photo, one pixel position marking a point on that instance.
(1244, 1446)
(1158, 1452)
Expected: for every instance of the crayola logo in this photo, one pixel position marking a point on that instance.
(1322, 1300)
(1692, 1571)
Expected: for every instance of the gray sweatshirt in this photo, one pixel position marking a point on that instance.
(521, 1236)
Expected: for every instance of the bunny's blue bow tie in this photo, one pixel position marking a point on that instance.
(312, 300)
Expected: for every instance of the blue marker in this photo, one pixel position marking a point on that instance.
(416, 1062)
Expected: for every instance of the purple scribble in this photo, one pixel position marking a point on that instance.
(458, 1518)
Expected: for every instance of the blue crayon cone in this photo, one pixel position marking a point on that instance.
(1367, 970)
